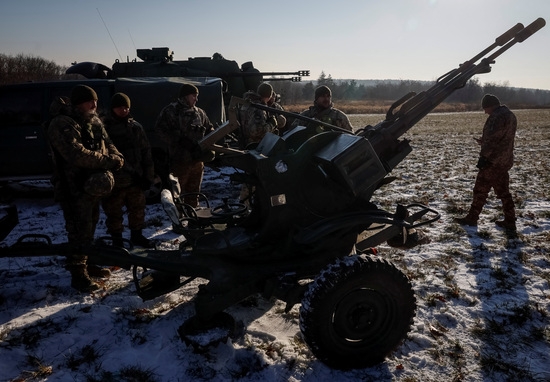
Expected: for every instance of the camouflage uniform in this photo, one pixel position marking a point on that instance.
(80, 148)
(255, 123)
(132, 179)
(496, 158)
(181, 127)
(331, 116)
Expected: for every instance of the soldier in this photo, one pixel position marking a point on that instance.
(324, 111)
(496, 158)
(83, 156)
(181, 125)
(136, 176)
(257, 123)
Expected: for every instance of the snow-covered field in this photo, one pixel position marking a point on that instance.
(483, 302)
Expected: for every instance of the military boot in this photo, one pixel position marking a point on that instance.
(466, 220)
(137, 238)
(80, 280)
(509, 228)
(95, 271)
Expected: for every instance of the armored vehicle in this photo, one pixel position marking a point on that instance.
(159, 62)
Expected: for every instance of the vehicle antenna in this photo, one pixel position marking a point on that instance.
(109, 34)
(131, 38)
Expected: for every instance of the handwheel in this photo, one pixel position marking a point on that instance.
(228, 209)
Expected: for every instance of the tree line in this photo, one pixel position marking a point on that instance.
(391, 90)
(24, 68)
(27, 68)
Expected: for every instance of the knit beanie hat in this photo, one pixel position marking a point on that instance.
(187, 89)
(81, 94)
(322, 90)
(489, 100)
(265, 90)
(120, 99)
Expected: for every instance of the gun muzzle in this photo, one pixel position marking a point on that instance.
(530, 29)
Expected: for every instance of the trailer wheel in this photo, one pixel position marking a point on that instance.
(356, 312)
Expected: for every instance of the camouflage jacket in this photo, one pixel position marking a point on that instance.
(130, 139)
(180, 127)
(79, 150)
(255, 123)
(497, 141)
(331, 116)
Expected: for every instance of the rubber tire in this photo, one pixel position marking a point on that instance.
(356, 312)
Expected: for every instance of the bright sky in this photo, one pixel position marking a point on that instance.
(347, 39)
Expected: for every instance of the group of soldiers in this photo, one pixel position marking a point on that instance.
(98, 161)
(108, 162)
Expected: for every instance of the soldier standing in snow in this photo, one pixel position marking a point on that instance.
(136, 176)
(181, 125)
(495, 160)
(83, 156)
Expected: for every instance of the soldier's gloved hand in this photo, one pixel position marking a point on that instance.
(114, 162)
(482, 163)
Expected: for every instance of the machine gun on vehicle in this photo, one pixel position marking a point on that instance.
(307, 238)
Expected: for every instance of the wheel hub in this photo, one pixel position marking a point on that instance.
(360, 314)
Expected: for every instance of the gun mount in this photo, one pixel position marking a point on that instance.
(310, 234)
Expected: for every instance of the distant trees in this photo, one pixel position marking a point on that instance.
(24, 68)
(391, 90)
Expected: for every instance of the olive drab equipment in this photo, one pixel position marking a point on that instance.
(159, 62)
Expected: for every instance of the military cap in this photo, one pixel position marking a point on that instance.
(489, 100)
(120, 99)
(322, 90)
(265, 90)
(187, 89)
(81, 94)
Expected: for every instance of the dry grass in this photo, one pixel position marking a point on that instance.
(379, 107)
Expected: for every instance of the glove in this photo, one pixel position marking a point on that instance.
(482, 163)
(114, 162)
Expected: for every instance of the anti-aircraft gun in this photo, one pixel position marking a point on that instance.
(311, 233)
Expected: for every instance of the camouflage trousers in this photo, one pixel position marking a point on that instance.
(81, 213)
(190, 180)
(499, 181)
(131, 197)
